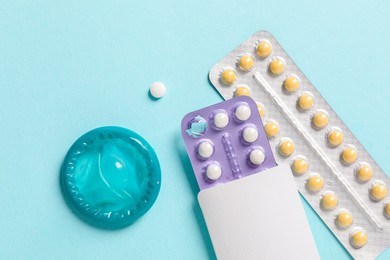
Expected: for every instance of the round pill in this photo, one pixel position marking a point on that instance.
(359, 239)
(305, 101)
(250, 134)
(378, 192)
(271, 129)
(261, 109)
(387, 210)
(291, 84)
(335, 137)
(315, 183)
(205, 149)
(242, 91)
(300, 166)
(329, 201)
(276, 67)
(344, 219)
(320, 119)
(257, 156)
(213, 172)
(243, 112)
(286, 147)
(157, 90)
(349, 155)
(246, 62)
(228, 76)
(263, 49)
(221, 119)
(364, 173)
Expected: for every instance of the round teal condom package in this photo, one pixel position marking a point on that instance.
(110, 177)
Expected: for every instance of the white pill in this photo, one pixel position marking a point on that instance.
(221, 119)
(250, 134)
(213, 172)
(157, 90)
(243, 112)
(257, 156)
(205, 149)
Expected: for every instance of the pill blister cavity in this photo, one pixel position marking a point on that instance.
(320, 119)
(246, 62)
(349, 155)
(359, 239)
(263, 49)
(286, 147)
(386, 210)
(242, 112)
(228, 76)
(220, 119)
(276, 66)
(329, 201)
(271, 129)
(335, 137)
(242, 90)
(257, 156)
(344, 219)
(261, 109)
(305, 101)
(197, 127)
(364, 172)
(300, 165)
(205, 149)
(291, 84)
(250, 134)
(378, 191)
(315, 183)
(213, 171)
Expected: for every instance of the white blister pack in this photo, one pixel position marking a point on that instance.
(332, 170)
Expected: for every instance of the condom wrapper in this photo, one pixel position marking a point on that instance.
(244, 194)
(110, 177)
(332, 170)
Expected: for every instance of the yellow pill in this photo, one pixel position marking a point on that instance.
(305, 102)
(263, 49)
(335, 137)
(291, 84)
(286, 148)
(387, 210)
(315, 183)
(300, 166)
(228, 76)
(261, 109)
(359, 239)
(276, 67)
(344, 219)
(246, 62)
(329, 201)
(364, 173)
(378, 192)
(242, 91)
(271, 129)
(349, 155)
(320, 119)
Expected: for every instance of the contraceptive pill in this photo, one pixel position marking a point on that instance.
(305, 101)
(228, 76)
(364, 172)
(291, 84)
(157, 90)
(300, 165)
(242, 90)
(335, 137)
(344, 219)
(378, 191)
(276, 66)
(260, 109)
(320, 119)
(271, 129)
(286, 147)
(359, 239)
(226, 141)
(349, 155)
(329, 201)
(246, 62)
(263, 49)
(315, 183)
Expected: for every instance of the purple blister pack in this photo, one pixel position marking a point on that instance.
(226, 141)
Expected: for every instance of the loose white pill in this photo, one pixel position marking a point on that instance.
(250, 134)
(257, 156)
(221, 119)
(243, 112)
(213, 172)
(205, 149)
(157, 90)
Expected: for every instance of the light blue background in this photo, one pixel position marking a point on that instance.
(70, 66)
